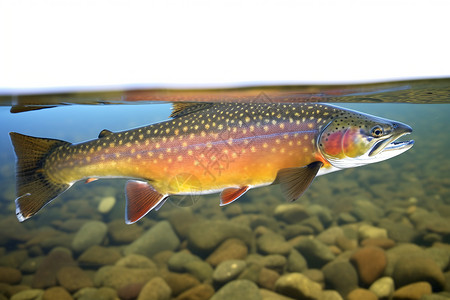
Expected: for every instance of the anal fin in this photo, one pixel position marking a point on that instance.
(141, 198)
(295, 181)
(229, 195)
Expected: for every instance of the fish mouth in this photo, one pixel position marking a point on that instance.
(392, 144)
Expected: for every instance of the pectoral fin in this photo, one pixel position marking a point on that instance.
(295, 181)
(141, 198)
(229, 195)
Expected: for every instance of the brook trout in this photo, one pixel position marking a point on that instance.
(208, 148)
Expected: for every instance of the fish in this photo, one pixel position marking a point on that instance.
(204, 148)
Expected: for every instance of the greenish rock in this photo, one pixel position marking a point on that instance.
(177, 262)
(97, 256)
(330, 295)
(251, 272)
(205, 236)
(274, 262)
(316, 253)
(293, 230)
(296, 262)
(314, 223)
(440, 255)
(269, 295)
(346, 218)
(136, 261)
(122, 233)
(330, 235)
(228, 270)
(298, 286)
(273, 243)
(90, 234)
(371, 232)
(159, 237)
(32, 294)
(291, 213)
(399, 232)
(103, 293)
(117, 277)
(398, 252)
(199, 269)
(383, 287)
(367, 211)
(31, 264)
(323, 213)
(155, 289)
(14, 259)
(238, 289)
(341, 276)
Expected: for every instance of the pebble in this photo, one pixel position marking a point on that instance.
(273, 243)
(73, 278)
(440, 255)
(106, 204)
(122, 233)
(32, 294)
(238, 289)
(341, 276)
(31, 265)
(199, 269)
(159, 237)
(383, 288)
(370, 263)
(229, 249)
(291, 213)
(275, 262)
(316, 253)
(267, 278)
(136, 261)
(371, 232)
(130, 291)
(45, 275)
(399, 251)
(179, 283)
(384, 243)
(228, 270)
(331, 295)
(412, 291)
(103, 293)
(90, 234)
(115, 276)
(359, 294)
(398, 231)
(296, 262)
(10, 275)
(155, 289)
(97, 256)
(177, 262)
(251, 272)
(56, 293)
(298, 286)
(367, 211)
(199, 292)
(315, 275)
(330, 235)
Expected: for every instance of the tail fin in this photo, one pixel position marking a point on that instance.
(34, 188)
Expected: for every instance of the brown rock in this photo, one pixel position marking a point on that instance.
(130, 291)
(199, 292)
(229, 249)
(359, 294)
(370, 263)
(73, 278)
(97, 256)
(267, 278)
(384, 243)
(156, 288)
(121, 233)
(10, 275)
(180, 282)
(56, 293)
(412, 291)
(45, 275)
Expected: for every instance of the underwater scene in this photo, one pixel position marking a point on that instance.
(379, 231)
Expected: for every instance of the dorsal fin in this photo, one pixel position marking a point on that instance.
(184, 108)
(104, 132)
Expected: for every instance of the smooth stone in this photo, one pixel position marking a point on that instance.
(344, 243)
(251, 272)
(199, 269)
(371, 232)
(383, 288)
(199, 292)
(315, 275)
(294, 230)
(32, 294)
(229, 249)
(415, 268)
(341, 276)
(159, 237)
(316, 253)
(97, 256)
(367, 211)
(90, 234)
(228, 270)
(275, 262)
(56, 293)
(71, 225)
(412, 291)
(440, 255)
(103, 293)
(399, 251)
(383, 243)
(238, 289)
(358, 294)
(136, 261)
(45, 275)
(205, 236)
(313, 222)
(399, 232)
(323, 213)
(331, 295)
(346, 218)
(291, 213)
(269, 295)
(122, 233)
(273, 243)
(73, 278)
(117, 277)
(267, 278)
(296, 262)
(106, 204)
(297, 285)
(177, 262)
(14, 259)
(370, 263)
(330, 235)
(10, 275)
(179, 283)
(31, 265)
(155, 289)
(130, 291)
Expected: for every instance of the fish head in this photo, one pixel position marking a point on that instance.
(353, 139)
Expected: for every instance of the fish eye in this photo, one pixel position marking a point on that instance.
(377, 131)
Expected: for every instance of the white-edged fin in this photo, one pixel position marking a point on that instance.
(229, 195)
(295, 181)
(141, 198)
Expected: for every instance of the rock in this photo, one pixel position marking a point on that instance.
(440, 255)
(205, 236)
(73, 279)
(31, 265)
(106, 204)
(314, 223)
(199, 269)
(238, 289)
(399, 232)
(273, 243)
(316, 253)
(122, 233)
(371, 232)
(90, 234)
(269, 295)
(45, 275)
(117, 277)
(415, 268)
(136, 261)
(181, 220)
(14, 259)
(32, 294)
(179, 283)
(10, 275)
(297, 285)
(370, 263)
(330, 295)
(56, 293)
(229, 249)
(330, 235)
(383, 288)
(346, 218)
(275, 262)
(228, 270)
(130, 291)
(155, 289)
(358, 294)
(267, 278)
(398, 252)
(71, 225)
(158, 238)
(341, 276)
(367, 211)
(412, 291)
(97, 256)
(103, 293)
(251, 272)
(315, 275)
(177, 262)
(199, 292)
(323, 213)
(344, 243)
(383, 243)
(291, 231)
(296, 262)
(291, 213)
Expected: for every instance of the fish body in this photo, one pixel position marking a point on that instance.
(206, 148)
